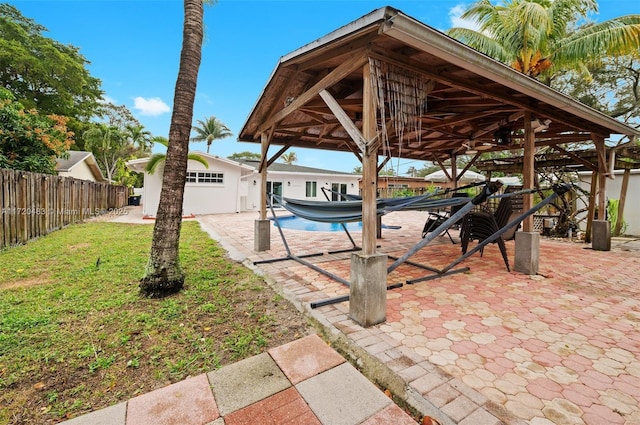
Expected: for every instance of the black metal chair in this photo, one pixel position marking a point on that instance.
(480, 225)
(436, 218)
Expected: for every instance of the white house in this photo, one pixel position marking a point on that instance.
(230, 186)
(631, 214)
(80, 165)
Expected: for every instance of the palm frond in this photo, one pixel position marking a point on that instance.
(154, 162)
(481, 43)
(617, 36)
(198, 158)
(161, 140)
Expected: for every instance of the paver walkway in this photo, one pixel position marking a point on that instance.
(304, 382)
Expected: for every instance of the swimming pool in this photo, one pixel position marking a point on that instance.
(293, 222)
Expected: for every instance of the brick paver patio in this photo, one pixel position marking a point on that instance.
(485, 346)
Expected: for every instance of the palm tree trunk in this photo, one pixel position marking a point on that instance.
(163, 275)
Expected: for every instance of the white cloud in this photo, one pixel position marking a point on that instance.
(152, 106)
(457, 22)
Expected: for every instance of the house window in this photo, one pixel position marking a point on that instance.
(192, 176)
(312, 189)
(204, 177)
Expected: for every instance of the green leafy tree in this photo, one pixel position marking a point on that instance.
(614, 87)
(108, 145)
(43, 73)
(387, 171)
(123, 176)
(159, 158)
(29, 140)
(540, 37)
(428, 168)
(244, 155)
(289, 158)
(163, 274)
(116, 115)
(209, 130)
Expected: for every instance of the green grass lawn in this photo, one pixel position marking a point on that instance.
(75, 335)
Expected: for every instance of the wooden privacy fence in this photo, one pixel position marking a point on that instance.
(34, 204)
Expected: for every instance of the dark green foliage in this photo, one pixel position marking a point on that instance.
(43, 73)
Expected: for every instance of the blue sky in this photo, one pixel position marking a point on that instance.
(134, 48)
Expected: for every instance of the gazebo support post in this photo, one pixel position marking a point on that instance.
(527, 248)
(623, 199)
(601, 234)
(368, 289)
(454, 171)
(262, 227)
(591, 208)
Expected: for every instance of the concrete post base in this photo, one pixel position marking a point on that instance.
(527, 252)
(262, 235)
(601, 235)
(368, 290)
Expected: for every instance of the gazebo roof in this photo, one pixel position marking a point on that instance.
(627, 157)
(458, 99)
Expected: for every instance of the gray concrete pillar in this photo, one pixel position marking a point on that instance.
(368, 290)
(527, 252)
(601, 235)
(262, 235)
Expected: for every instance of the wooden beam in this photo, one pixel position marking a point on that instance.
(348, 125)
(355, 151)
(264, 145)
(383, 163)
(277, 155)
(454, 171)
(265, 142)
(591, 208)
(349, 44)
(446, 77)
(458, 119)
(341, 71)
(493, 127)
(369, 166)
(589, 165)
(598, 140)
(623, 199)
(528, 170)
(469, 164)
(442, 166)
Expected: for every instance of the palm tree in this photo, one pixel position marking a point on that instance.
(108, 145)
(289, 158)
(209, 130)
(537, 37)
(138, 136)
(160, 158)
(163, 275)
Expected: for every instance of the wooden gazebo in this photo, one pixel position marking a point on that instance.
(387, 85)
(620, 157)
